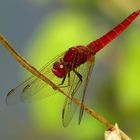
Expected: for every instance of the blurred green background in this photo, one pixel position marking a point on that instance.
(41, 29)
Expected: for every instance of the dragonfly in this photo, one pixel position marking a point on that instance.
(71, 71)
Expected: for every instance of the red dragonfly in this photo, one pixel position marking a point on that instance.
(70, 70)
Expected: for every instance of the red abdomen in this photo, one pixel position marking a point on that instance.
(108, 37)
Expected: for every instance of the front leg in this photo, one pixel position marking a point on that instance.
(63, 80)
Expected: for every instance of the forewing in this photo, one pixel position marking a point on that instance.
(77, 90)
(34, 88)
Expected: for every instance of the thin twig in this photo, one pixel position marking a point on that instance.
(35, 72)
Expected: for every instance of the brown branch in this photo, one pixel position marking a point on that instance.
(35, 72)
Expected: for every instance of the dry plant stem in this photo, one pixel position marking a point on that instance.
(35, 72)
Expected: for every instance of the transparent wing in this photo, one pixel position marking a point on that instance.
(77, 89)
(34, 88)
(69, 108)
(90, 65)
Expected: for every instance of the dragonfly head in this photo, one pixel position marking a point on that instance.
(60, 68)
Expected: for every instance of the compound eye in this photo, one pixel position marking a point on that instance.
(62, 66)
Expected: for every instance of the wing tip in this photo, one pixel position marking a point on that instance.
(10, 92)
(8, 95)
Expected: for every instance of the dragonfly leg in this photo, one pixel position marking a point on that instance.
(60, 85)
(79, 75)
(63, 80)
